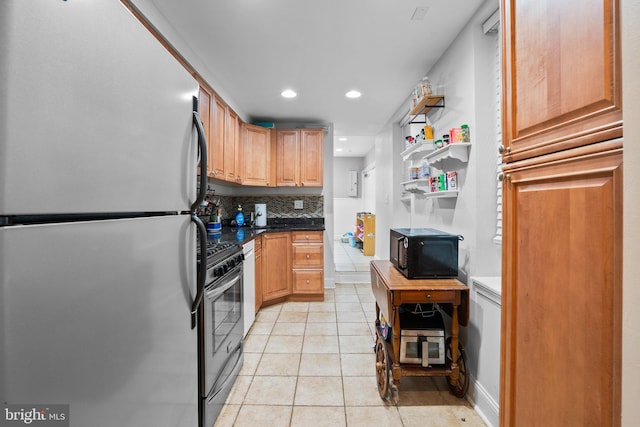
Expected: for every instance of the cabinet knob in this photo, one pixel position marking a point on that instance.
(308, 281)
(308, 256)
(302, 183)
(428, 296)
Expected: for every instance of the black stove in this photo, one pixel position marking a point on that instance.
(219, 251)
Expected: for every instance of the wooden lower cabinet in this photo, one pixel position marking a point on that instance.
(308, 265)
(562, 289)
(276, 265)
(289, 266)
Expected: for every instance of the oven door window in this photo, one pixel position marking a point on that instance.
(227, 312)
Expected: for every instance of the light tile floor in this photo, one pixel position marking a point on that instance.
(312, 364)
(348, 258)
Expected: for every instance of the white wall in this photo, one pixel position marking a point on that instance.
(630, 16)
(341, 168)
(465, 75)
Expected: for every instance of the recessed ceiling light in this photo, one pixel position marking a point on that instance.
(342, 139)
(338, 150)
(288, 93)
(353, 94)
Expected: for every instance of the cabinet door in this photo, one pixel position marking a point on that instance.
(256, 155)
(216, 142)
(276, 263)
(287, 158)
(562, 289)
(562, 84)
(311, 157)
(231, 147)
(204, 110)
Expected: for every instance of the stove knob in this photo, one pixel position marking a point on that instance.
(218, 272)
(231, 263)
(224, 268)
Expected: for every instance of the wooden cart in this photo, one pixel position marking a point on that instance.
(391, 289)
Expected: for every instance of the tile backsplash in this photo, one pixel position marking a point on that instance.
(278, 206)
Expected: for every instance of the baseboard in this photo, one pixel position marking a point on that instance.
(329, 283)
(353, 277)
(483, 403)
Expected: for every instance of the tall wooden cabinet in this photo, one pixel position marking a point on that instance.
(562, 214)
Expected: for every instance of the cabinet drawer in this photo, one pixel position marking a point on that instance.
(307, 236)
(308, 281)
(430, 296)
(308, 256)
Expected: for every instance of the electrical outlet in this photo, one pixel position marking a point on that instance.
(297, 204)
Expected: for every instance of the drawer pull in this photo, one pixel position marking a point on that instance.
(429, 296)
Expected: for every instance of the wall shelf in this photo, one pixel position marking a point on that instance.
(442, 194)
(416, 185)
(425, 105)
(417, 148)
(457, 150)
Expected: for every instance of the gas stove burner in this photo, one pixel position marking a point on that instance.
(214, 248)
(217, 251)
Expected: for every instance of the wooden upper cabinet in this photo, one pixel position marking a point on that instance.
(561, 77)
(287, 158)
(216, 142)
(256, 156)
(311, 157)
(299, 158)
(232, 147)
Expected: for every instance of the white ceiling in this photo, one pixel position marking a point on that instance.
(254, 49)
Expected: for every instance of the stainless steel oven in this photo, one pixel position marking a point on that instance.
(221, 330)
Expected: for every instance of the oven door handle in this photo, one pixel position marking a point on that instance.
(214, 293)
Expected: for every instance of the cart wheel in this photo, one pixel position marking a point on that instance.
(461, 387)
(383, 368)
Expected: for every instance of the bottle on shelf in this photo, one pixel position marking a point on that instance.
(466, 135)
(425, 87)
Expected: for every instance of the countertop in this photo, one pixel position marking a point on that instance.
(242, 235)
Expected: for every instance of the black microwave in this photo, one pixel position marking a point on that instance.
(424, 253)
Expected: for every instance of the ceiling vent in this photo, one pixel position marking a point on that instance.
(419, 13)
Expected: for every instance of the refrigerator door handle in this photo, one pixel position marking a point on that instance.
(202, 230)
(202, 270)
(202, 144)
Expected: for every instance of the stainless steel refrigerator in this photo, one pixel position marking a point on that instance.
(98, 167)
